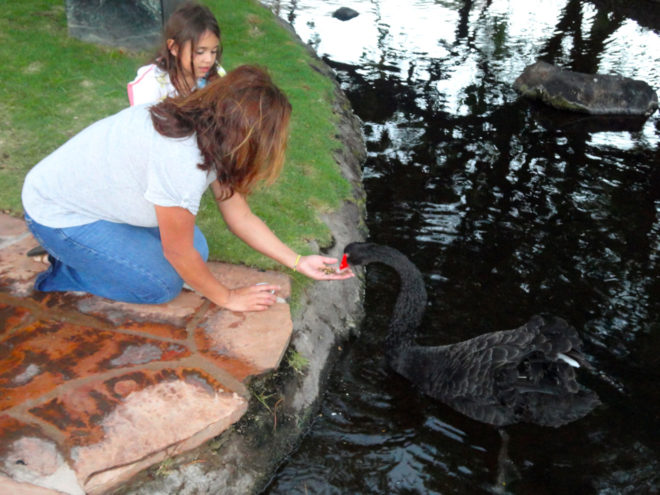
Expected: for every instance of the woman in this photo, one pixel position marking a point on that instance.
(115, 206)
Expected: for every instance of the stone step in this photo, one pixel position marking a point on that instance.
(93, 391)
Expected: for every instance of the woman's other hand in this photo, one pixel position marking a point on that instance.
(252, 298)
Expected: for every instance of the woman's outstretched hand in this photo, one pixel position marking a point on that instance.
(252, 298)
(320, 268)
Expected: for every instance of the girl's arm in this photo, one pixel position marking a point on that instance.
(256, 234)
(177, 230)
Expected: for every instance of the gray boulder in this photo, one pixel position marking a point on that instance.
(596, 94)
(131, 24)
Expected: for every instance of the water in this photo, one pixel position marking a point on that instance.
(509, 208)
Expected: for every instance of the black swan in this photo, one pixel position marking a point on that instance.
(505, 377)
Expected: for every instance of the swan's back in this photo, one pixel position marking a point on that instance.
(522, 375)
(505, 377)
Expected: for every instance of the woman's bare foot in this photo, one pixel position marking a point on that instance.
(38, 254)
(43, 258)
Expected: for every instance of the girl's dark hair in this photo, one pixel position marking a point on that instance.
(187, 23)
(241, 123)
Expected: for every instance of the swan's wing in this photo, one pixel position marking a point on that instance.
(475, 369)
(491, 366)
(462, 371)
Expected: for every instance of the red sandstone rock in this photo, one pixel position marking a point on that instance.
(93, 391)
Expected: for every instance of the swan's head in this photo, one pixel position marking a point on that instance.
(359, 253)
(363, 253)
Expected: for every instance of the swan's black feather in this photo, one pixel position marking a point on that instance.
(502, 377)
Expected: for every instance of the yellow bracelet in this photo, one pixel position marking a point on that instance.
(296, 263)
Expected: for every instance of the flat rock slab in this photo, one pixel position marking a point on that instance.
(596, 94)
(93, 391)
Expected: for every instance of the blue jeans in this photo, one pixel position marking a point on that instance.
(113, 260)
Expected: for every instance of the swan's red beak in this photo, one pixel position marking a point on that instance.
(344, 263)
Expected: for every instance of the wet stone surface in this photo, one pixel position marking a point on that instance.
(94, 391)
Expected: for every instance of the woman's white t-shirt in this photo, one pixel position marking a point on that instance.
(116, 169)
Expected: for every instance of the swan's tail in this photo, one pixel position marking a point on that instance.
(557, 342)
(547, 391)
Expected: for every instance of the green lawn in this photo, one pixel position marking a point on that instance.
(53, 86)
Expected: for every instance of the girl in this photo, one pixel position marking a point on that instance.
(115, 206)
(187, 60)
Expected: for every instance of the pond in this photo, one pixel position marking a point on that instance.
(509, 209)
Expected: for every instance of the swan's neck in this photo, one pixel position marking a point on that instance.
(409, 307)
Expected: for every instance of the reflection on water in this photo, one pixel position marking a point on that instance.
(509, 208)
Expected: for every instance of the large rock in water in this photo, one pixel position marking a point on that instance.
(596, 94)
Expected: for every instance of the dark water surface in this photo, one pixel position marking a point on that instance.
(509, 209)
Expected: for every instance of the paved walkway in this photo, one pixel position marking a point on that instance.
(93, 391)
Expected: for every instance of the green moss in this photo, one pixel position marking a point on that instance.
(560, 102)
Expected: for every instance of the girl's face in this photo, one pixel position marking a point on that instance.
(205, 55)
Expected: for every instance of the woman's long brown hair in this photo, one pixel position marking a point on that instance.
(241, 122)
(187, 24)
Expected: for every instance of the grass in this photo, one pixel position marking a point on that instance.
(296, 361)
(54, 86)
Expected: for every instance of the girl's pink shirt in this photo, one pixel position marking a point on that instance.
(151, 85)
